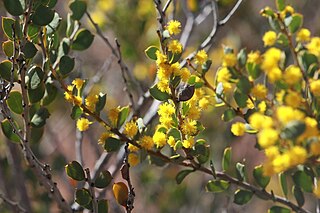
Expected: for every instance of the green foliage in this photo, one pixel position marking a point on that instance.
(75, 171)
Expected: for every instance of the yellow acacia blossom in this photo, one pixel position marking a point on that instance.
(91, 101)
(188, 143)
(159, 139)
(286, 114)
(315, 87)
(201, 57)
(271, 152)
(194, 113)
(185, 74)
(229, 60)
(311, 128)
(189, 127)
(314, 46)
(113, 115)
(133, 148)
(146, 142)
(269, 38)
(293, 99)
(238, 129)
(303, 35)
(164, 72)
(166, 109)
(280, 95)
(204, 103)
(133, 159)
(271, 59)
(287, 10)
(223, 75)
(259, 121)
(292, 75)
(104, 136)
(174, 27)
(262, 106)
(259, 91)
(254, 57)
(163, 86)
(83, 124)
(274, 74)
(130, 129)
(250, 103)
(267, 137)
(171, 141)
(175, 46)
(298, 155)
(315, 148)
(78, 83)
(166, 121)
(161, 58)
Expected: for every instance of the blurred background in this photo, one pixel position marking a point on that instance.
(134, 24)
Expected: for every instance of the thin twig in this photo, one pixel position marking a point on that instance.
(13, 204)
(92, 191)
(78, 146)
(164, 10)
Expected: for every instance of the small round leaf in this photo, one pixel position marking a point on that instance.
(42, 15)
(242, 196)
(78, 8)
(83, 197)
(75, 171)
(66, 65)
(83, 40)
(103, 180)
(15, 102)
(14, 7)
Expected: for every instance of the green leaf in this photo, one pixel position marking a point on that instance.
(50, 93)
(281, 4)
(36, 135)
(103, 206)
(15, 102)
(253, 70)
(175, 133)
(83, 39)
(217, 186)
(283, 40)
(283, 183)
(173, 57)
(226, 160)
(42, 16)
(76, 112)
(274, 23)
(244, 85)
(123, 114)
(242, 57)
(242, 196)
(78, 8)
(156, 160)
(66, 65)
(14, 7)
(112, 144)
(5, 69)
(296, 23)
(70, 25)
(83, 197)
(260, 179)
(8, 131)
(298, 194)
(304, 181)
(7, 48)
(202, 152)
(240, 98)
(29, 50)
(39, 118)
(34, 77)
(54, 24)
(309, 63)
(241, 173)
(157, 94)
(182, 174)
(103, 180)
(75, 171)
(102, 98)
(8, 26)
(151, 52)
(64, 47)
(293, 129)
(228, 114)
(35, 95)
(279, 209)
(33, 31)
(206, 66)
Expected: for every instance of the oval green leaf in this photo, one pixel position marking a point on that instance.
(29, 50)
(103, 180)
(217, 186)
(83, 39)
(14, 7)
(66, 65)
(260, 179)
(157, 94)
(279, 209)
(42, 16)
(123, 114)
(103, 206)
(112, 144)
(226, 160)
(78, 8)
(182, 174)
(5, 70)
(7, 48)
(8, 131)
(39, 118)
(75, 171)
(304, 181)
(298, 194)
(15, 102)
(151, 52)
(242, 196)
(83, 197)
